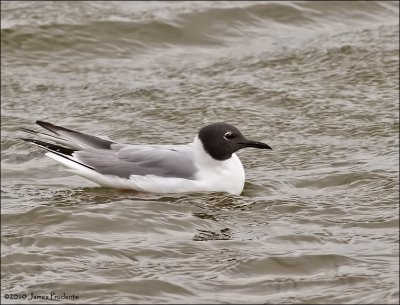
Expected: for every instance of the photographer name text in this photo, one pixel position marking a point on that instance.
(32, 296)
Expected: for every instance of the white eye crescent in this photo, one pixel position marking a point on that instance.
(229, 135)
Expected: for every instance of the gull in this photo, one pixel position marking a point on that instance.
(208, 164)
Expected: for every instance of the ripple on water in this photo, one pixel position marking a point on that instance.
(318, 219)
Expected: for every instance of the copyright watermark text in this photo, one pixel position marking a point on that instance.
(52, 296)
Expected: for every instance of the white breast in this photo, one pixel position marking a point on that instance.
(220, 176)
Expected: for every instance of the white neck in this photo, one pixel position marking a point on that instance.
(227, 175)
(201, 157)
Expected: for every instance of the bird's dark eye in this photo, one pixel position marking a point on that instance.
(229, 135)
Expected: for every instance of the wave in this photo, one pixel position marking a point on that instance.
(115, 29)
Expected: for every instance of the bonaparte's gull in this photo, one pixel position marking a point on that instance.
(208, 164)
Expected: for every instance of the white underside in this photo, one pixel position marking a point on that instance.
(213, 176)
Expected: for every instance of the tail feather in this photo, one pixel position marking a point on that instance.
(74, 138)
(64, 153)
(67, 142)
(54, 128)
(51, 137)
(51, 147)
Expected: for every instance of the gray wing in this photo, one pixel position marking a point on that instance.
(159, 160)
(75, 137)
(70, 138)
(122, 160)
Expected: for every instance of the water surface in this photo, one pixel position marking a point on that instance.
(318, 219)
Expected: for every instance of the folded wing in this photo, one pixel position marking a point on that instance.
(71, 138)
(142, 161)
(109, 158)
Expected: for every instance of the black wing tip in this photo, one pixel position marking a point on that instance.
(54, 128)
(51, 147)
(43, 123)
(27, 130)
(89, 140)
(48, 126)
(58, 150)
(34, 141)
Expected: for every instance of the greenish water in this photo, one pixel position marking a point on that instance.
(318, 219)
